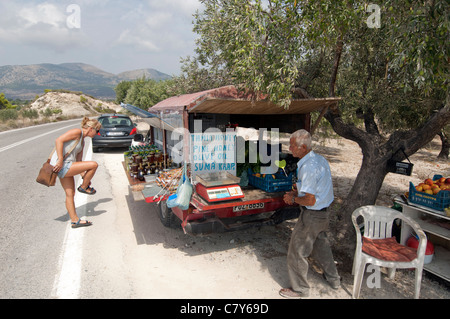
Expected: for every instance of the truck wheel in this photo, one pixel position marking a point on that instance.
(167, 217)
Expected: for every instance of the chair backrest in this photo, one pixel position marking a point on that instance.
(378, 220)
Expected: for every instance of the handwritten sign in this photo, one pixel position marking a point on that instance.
(213, 152)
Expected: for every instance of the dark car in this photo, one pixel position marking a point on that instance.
(117, 131)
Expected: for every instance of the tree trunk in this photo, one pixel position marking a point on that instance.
(376, 152)
(445, 148)
(364, 191)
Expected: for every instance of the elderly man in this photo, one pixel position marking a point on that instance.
(314, 195)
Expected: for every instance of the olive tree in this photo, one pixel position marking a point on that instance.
(389, 63)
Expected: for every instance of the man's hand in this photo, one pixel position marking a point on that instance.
(289, 198)
(306, 200)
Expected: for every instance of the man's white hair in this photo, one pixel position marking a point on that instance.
(302, 137)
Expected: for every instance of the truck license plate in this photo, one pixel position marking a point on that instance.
(248, 207)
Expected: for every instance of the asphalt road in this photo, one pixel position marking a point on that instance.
(33, 217)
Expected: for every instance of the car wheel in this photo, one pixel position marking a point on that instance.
(166, 215)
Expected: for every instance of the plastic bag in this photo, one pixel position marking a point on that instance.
(183, 195)
(172, 201)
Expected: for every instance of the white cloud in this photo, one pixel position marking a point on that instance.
(129, 37)
(114, 35)
(159, 26)
(41, 25)
(44, 13)
(183, 7)
(158, 19)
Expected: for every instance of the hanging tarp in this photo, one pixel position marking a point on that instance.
(138, 111)
(153, 119)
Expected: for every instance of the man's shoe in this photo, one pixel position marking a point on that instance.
(335, 284)
(291, 294)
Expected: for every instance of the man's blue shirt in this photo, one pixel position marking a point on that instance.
(314, 177)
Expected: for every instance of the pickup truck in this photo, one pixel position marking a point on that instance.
(177, 122)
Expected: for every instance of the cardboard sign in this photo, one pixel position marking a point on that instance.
(213, 152)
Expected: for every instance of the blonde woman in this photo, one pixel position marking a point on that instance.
(73, 165)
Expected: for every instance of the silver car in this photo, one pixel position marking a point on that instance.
(117, 130)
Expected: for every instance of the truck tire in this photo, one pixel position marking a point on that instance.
(167, 217)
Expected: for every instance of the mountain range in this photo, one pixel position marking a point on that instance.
(27, 81)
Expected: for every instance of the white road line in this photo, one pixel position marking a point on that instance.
(68, 280)
(5, 148)
(35, 126)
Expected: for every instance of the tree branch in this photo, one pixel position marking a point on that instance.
(413, 140)
(337, 59)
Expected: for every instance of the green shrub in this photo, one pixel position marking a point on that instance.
(83, 99)
(30, 113)
(8, 114)
(47, 112)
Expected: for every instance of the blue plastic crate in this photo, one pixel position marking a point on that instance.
(439, 202)
(280, 183)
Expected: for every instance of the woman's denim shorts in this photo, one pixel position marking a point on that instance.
(64, 169)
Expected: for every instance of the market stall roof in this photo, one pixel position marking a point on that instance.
(229, 100)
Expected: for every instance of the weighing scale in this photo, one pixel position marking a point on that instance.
(221, 186)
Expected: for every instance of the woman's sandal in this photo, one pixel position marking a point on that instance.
(89, 190)
(78, 224)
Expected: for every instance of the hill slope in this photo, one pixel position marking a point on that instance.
(72, 105)
(27, 81)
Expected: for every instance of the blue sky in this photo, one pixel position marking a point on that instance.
(113, 35)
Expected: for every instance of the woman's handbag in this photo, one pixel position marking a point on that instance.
(46, 175)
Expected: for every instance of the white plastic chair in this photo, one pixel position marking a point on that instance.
(378, 222)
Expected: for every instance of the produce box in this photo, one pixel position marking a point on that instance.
(438, 201)
(271, 183)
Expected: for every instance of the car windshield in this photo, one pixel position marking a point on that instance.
(115, 121)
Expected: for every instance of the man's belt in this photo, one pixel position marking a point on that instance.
(316, 210)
